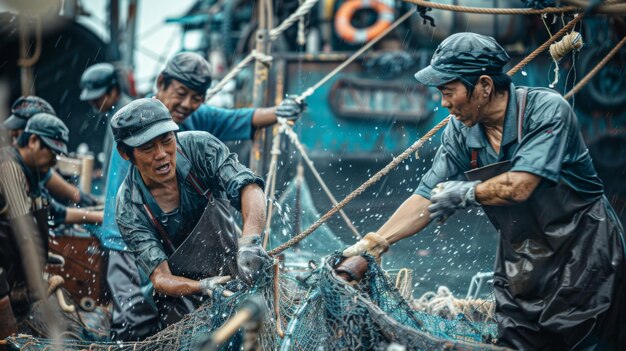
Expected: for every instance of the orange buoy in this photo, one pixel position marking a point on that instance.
(347, 32)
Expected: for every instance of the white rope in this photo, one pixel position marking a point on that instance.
(296, 142)
(302, 10)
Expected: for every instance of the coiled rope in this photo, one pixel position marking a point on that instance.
(595, 70)
(570, 42)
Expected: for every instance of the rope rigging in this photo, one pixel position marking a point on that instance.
(561, 48)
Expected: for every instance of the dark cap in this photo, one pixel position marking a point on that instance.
(97, 80)
(51, 130)
(190, 69)
(141, 121)
(24, 108)
(463, 54)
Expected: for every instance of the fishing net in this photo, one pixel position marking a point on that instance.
(373, 315)
(320, 310)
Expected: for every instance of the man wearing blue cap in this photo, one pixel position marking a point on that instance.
(21, 168)
(100, 88)
(518, 153)
(181, 87)
(175, 190)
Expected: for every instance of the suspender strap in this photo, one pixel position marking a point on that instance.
(474, 161)
(159, 227)
(521, 109)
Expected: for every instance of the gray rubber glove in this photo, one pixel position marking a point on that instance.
(209, 284)
(290, 109)
(448, 197)
(251, 258)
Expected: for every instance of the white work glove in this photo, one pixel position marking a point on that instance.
(290, 109)
(371, 243)
(447, 197)
(251, 258)
(208, 285)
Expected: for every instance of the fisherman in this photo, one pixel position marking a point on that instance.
(182, 88)
(21, 170)
(176, 190)
(518, 153)
(101, 89)
(24, 108)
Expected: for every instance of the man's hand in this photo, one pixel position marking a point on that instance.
(450, 196)
(208, 285)
(290, 109)
(251, 258)
(371, 243)
(86, 199)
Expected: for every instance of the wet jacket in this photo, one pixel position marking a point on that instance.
(559, 267)
(226, 125)
(212, 163)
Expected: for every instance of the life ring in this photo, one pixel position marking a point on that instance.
(347, 32)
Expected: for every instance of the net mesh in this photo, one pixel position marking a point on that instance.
(316, 308)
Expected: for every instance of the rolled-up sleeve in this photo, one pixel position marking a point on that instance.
(450, 161)
(139, 234)
(544, 145)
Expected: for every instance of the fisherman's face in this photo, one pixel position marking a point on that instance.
(156, 159)
(179, 99)
(464, 108)
(41, 157)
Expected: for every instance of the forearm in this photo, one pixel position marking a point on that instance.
(264, 117)
(411, 217)
(252, 209)
(61, 189)
(81, 216)
(167, 283)
(507, 189)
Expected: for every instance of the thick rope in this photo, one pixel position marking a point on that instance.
(496, 11)
(296, 142)
(413, 148)
(354, 56)
(595, 70)
(393, 164)
(302, 10)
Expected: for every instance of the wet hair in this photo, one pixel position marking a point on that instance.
(128, 150)
(501, 83)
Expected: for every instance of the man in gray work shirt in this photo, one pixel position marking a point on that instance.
(518, 153)
(174, 183)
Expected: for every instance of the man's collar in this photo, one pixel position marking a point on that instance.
(476, 137)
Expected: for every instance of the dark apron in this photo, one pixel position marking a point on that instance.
(210, 249)
(558, 265)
